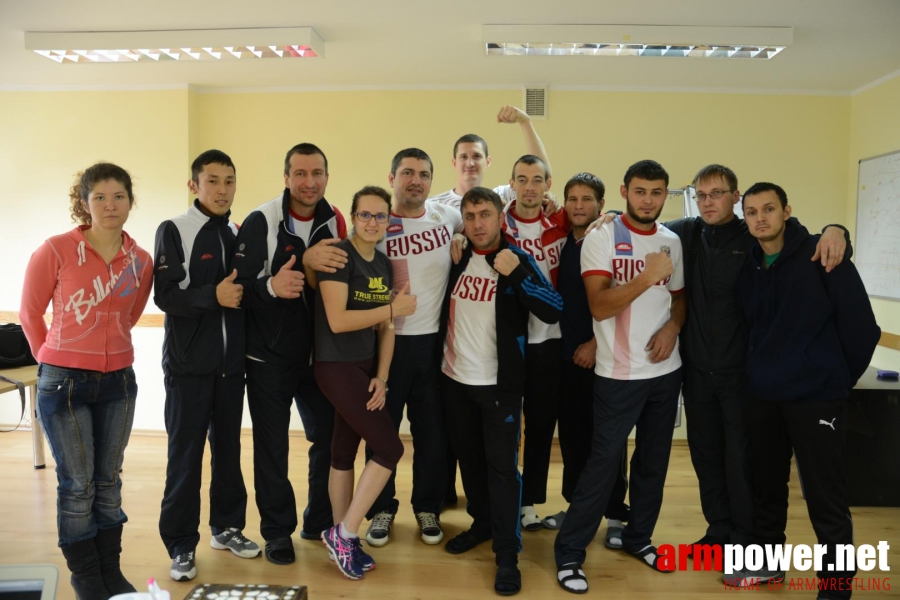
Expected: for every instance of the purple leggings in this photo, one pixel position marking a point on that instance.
(346, 386)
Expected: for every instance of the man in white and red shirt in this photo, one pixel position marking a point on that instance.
(418, 245)
(471, 158)
(541, 236)
(633, 275)
(491, 293)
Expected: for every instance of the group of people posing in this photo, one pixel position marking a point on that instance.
(474, 310)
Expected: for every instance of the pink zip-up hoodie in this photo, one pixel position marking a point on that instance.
(95, 305)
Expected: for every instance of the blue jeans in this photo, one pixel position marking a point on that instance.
(87, 417)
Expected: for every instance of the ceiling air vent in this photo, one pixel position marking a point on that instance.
(536, 101)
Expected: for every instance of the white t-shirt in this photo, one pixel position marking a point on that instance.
(451, 198)
(301, 226)
(419, 251)
(470, 349)
(528, 238)
(617, 251)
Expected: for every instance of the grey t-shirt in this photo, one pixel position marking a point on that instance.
(368, 286)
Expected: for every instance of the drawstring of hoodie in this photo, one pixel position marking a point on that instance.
(137, 282)
(81, 256)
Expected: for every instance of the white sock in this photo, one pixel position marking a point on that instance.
(529, 516)
(346, 533)
(650, 557)
(614, 523)
(575, 584)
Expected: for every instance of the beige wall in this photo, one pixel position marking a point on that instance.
(875, 129)
(802, 142)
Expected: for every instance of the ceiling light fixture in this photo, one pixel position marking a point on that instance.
(176, 45)
(636, 40)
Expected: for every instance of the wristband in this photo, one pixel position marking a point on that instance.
(384, 381)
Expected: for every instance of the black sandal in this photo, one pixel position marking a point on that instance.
(508, 581)
(613, 533)
(573, 573)
(648, 551)
(465, 541)
(280, 551)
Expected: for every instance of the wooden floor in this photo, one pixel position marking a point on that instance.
(407, 568)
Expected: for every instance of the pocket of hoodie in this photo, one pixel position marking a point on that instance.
(83, 331)
(119, 335)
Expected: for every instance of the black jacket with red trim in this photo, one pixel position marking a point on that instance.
(279, 330)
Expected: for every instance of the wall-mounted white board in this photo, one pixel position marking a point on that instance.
(877, 242)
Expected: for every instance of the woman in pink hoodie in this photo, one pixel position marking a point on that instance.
(98, 281)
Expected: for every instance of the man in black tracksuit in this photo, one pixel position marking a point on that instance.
(811, 337)
(713, 348)
(203, 362)
(274, 242)
(484, 329)
(583, 199)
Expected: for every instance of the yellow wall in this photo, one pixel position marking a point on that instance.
(797, 141)
(875, 129)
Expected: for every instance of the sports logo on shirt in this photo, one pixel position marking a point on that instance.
(624, 248)
(436, 217)
(376, 285)
(667, 250)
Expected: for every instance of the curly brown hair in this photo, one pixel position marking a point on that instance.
(85, 182)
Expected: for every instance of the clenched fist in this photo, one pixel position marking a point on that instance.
(658, 266)
(505, 262)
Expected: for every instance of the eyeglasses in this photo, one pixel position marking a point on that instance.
(365, 217)
(713, 195)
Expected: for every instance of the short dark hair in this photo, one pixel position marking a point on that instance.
(480, 195)
(306, 150)
(586, 179)
(208, 158)
(84, 184)
(471, 138)
(530, 159)
(410, 153)
(717, 171)
(649, 170)
(765, 186)
(371, 190)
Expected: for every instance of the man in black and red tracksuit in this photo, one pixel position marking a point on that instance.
(484, 328)
(277, 238)
(811, 337)
(203, 362)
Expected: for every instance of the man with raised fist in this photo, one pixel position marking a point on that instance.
(296, 228)
(203, 362)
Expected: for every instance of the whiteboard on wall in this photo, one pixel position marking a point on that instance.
(877, 242)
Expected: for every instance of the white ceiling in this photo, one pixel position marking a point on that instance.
(839, 45)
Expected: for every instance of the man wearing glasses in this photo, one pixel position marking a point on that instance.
(418, 245)
(714, 350)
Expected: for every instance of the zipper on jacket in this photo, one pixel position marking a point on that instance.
(222, 310)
